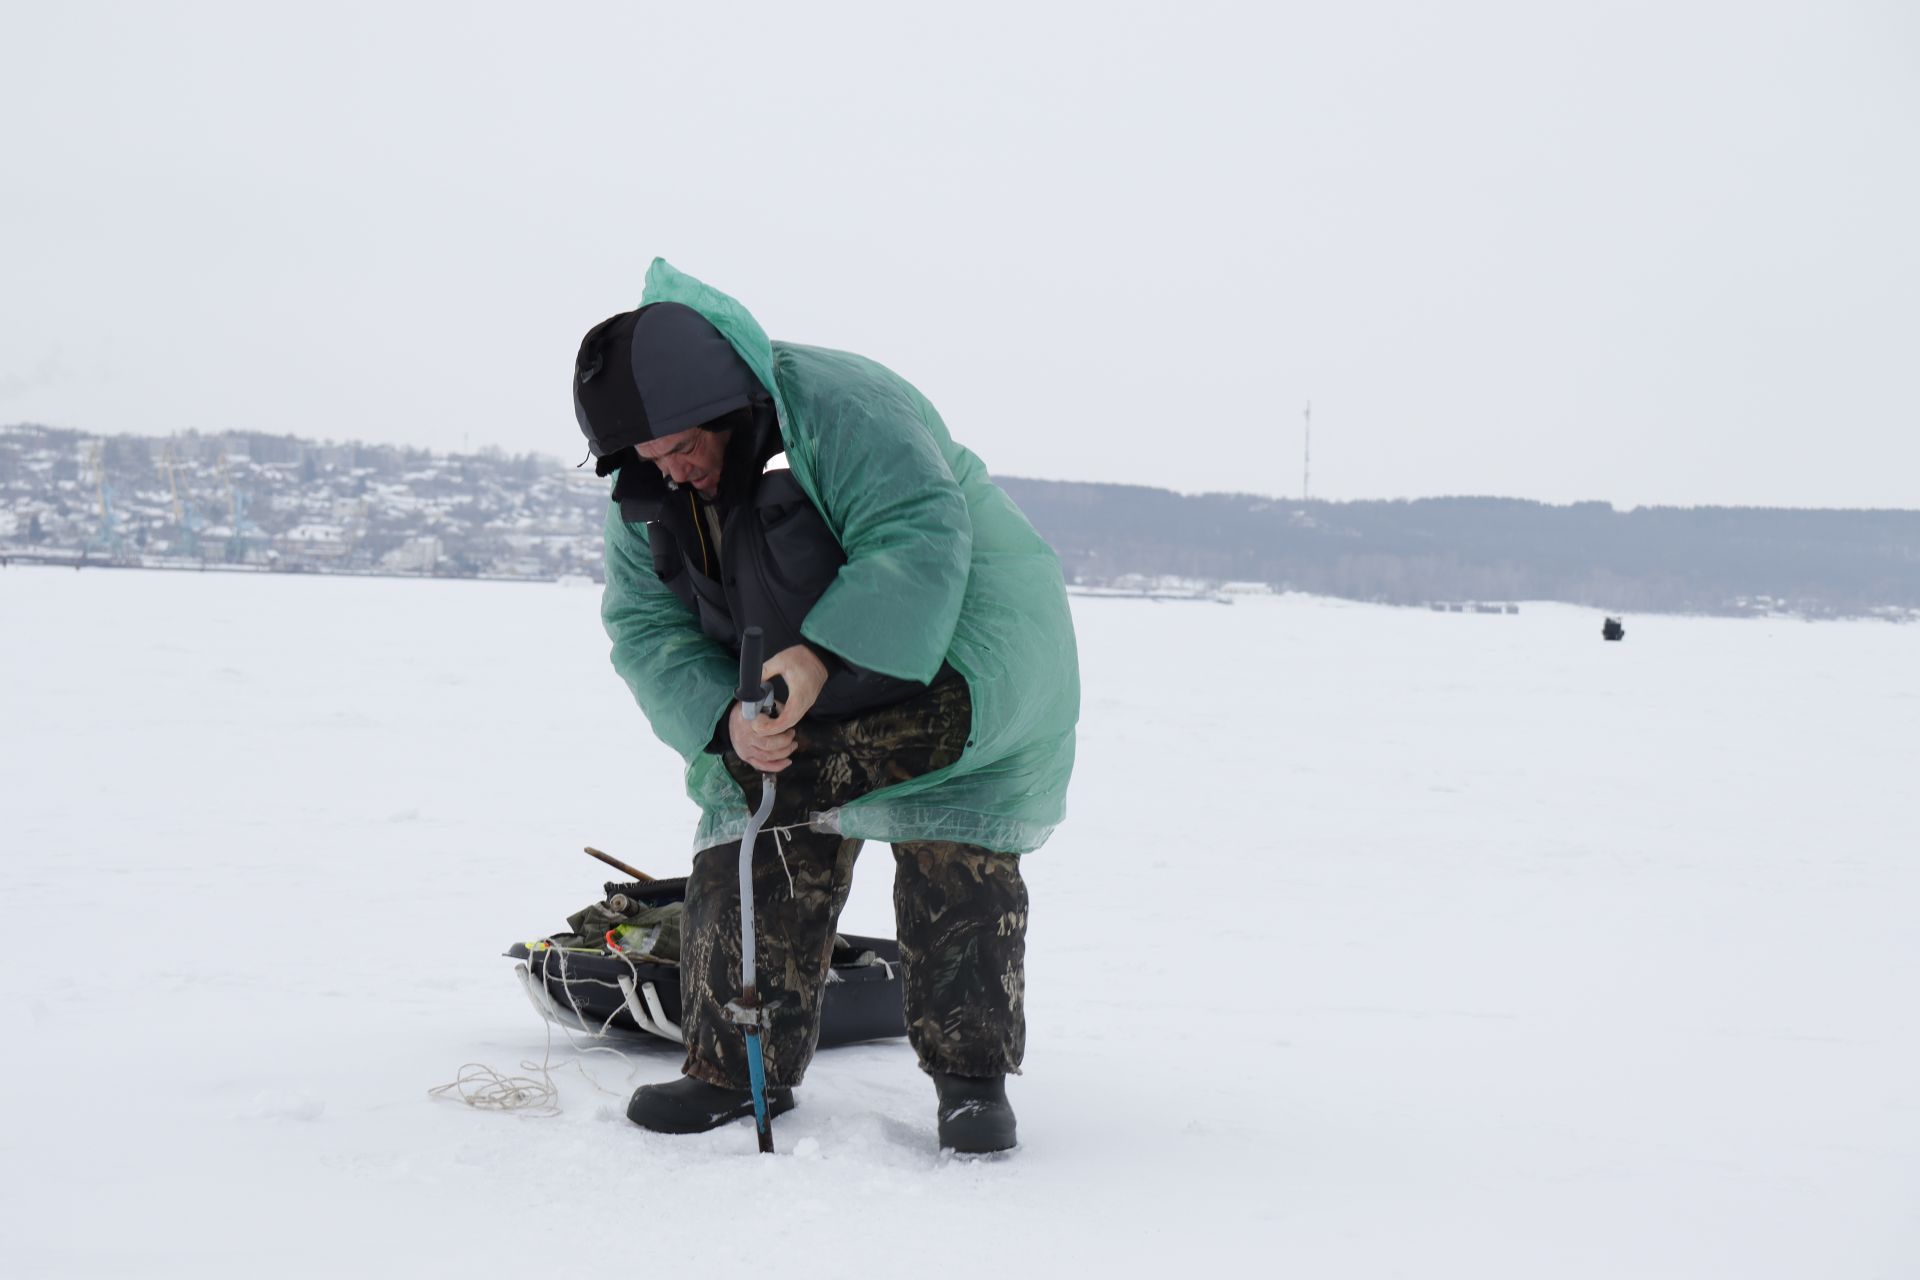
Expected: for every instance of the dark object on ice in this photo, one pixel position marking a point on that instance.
(1612, 630)
(583, 991)
(975, 1116)
(687, 1105)
(597, 989)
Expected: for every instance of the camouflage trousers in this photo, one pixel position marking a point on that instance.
(961, 910)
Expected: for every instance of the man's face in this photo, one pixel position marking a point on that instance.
(690, 457)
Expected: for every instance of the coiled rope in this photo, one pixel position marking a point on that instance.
(535, 1094)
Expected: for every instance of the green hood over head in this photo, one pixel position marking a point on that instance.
(941, 567)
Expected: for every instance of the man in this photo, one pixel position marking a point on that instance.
(920, 629)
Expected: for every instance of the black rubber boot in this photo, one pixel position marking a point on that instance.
(687, 1105)
(975, 1116)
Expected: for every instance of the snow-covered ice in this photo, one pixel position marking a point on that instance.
(1378, 943)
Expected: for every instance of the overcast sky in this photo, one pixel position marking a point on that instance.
(1649, 253)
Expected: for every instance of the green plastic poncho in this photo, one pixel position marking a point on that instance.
(940, 565)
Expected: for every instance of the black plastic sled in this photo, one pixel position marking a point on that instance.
(601, 991)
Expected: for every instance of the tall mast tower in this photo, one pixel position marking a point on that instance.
(1306, 464)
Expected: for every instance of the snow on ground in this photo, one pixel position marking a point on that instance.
(1378, 943)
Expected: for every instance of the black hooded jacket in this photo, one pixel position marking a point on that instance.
(647, 374)
(758, 553)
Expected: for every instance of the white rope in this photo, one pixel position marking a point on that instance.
(566, 985)
(485, 1089)
(781, 850)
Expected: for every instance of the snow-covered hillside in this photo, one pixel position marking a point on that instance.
(1378, 943)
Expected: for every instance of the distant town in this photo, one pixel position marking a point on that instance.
(250, 502)
(239, 500)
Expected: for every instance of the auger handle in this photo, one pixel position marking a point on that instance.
(754, 694)
(753, 650)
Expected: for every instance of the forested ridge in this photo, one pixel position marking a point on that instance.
(1693, 559)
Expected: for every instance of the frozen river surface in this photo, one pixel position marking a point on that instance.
(1377, 943)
